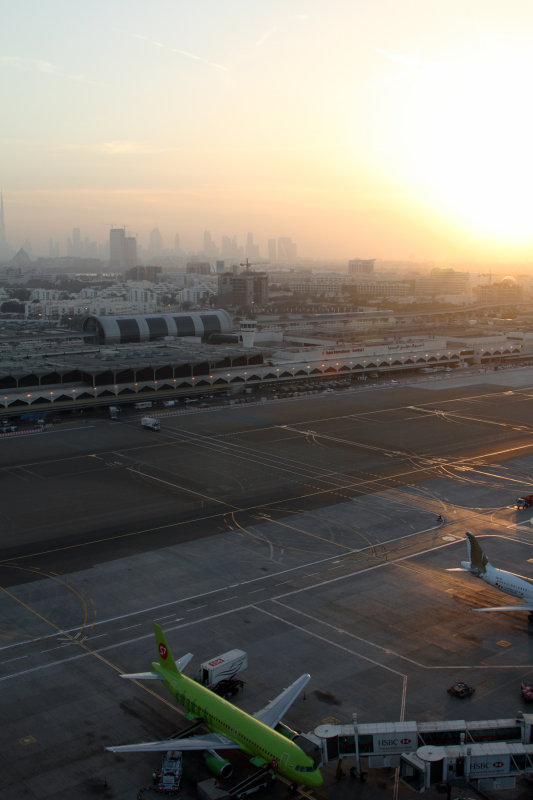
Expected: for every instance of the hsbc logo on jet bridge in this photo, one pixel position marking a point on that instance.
(395, 743)
(215, 662)
(488, 765)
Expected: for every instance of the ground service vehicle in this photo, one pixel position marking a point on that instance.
(222, 667)
(144, 404)
(113, 412)
(151, 423)
(526, 688)
(461, 689)
(524, 502)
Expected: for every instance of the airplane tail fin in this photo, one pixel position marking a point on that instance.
(166, 659)
(477, 560)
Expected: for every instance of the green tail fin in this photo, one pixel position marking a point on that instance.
(164, 653)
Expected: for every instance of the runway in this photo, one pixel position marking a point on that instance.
(303, 532)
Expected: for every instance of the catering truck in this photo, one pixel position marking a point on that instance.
(151, 423)
(222, 667)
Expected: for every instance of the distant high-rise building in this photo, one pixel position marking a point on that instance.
(5, 250)
(272, 251)
(155, 246)
(287, 250)
(116, 247)
(361, 266)
(130, 252)
(210, 249)
(122, 249)
(251, 250)
(177, 244)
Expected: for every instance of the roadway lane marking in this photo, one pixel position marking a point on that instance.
(127, 628)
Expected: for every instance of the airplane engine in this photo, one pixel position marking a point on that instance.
(218, 766)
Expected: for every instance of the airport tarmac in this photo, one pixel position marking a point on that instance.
(303, 532)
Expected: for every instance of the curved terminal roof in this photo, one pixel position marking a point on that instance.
(150, 327)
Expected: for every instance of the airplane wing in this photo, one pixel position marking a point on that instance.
(272, 713)
(208, 742)
(142, 676)
(505, 608)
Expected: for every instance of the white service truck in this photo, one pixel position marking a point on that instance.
(222, 667)
(151, 423)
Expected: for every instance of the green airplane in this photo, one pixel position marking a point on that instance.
(230, 727)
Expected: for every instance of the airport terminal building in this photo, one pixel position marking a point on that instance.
(121, 360)
(152, 327)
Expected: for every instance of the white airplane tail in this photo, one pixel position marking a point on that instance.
(477, 560)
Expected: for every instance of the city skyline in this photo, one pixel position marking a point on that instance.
(386, 130)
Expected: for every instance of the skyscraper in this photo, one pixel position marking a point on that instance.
(287, 250)
(122, 249)
(116, 247)
(155, 247)
(210, 249)
(5, 251)
(251, 250)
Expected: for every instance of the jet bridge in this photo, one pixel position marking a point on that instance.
(382, 744)
(493, 766)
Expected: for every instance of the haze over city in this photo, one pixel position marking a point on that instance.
(385, 129)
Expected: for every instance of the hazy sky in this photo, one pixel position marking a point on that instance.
(372, 128)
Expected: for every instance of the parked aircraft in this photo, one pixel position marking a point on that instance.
(229, 726)
(507, 582)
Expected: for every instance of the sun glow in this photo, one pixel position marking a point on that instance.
(465, 141)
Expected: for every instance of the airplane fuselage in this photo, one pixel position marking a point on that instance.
(509, 583)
